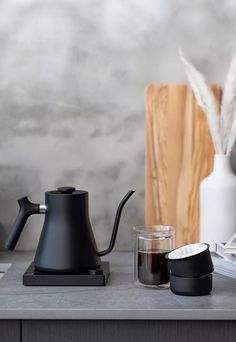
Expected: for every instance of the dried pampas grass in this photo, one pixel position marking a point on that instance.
(228, 106)
(222, 124)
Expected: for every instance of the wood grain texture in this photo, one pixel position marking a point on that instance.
(178, 155)
(126, 331)
(10, 331)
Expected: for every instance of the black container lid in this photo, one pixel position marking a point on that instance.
(190, 261)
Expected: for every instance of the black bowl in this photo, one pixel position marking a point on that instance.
(190, 264)
(191, 286)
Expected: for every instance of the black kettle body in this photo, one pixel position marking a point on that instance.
(67, 228)
(67, 243)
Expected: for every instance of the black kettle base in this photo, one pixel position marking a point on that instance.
(96, 277)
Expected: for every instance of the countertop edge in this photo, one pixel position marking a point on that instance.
(120, 300)
(74, 314)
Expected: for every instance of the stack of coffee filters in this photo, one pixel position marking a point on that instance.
(191, 270)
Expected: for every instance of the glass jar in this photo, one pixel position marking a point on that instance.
(151, 246)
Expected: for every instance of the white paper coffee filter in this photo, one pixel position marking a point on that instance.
(187, 250)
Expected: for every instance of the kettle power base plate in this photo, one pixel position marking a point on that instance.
(35, 278)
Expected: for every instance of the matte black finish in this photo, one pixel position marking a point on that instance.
(66, 189)
(116, 223)
(191, 286)
(97, 277)
(27, 208)
(127, 331)
(10, 331)
(66, 244)
(194, 266)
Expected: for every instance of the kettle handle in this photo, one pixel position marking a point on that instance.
(27, 208)
(116, 223)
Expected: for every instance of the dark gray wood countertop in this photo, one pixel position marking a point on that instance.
(120, 299)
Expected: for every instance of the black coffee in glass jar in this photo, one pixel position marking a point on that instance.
(152, 267)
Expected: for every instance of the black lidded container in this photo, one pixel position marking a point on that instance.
(191, 286)
(67, 243)
(191, 266)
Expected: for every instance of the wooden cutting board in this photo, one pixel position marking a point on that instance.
(179, 154)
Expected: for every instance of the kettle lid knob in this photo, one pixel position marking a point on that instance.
(66, 190)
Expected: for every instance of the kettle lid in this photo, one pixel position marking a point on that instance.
(66, 190)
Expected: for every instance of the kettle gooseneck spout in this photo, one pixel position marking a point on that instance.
(116, 223)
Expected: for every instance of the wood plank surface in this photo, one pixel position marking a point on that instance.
(126, 331)
(178, 155)
(10, 331)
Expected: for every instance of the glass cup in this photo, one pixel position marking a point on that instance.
(151, 246)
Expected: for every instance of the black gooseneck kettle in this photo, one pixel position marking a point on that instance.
(67, 243)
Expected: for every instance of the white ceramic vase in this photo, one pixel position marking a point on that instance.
(218, 203)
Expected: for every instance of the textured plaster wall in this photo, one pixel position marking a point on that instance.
(72, 80)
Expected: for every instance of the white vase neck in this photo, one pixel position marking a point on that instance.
(222, 163)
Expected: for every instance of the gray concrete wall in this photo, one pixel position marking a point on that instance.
(72, 80)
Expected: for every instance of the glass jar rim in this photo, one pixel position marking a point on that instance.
(155, 230)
